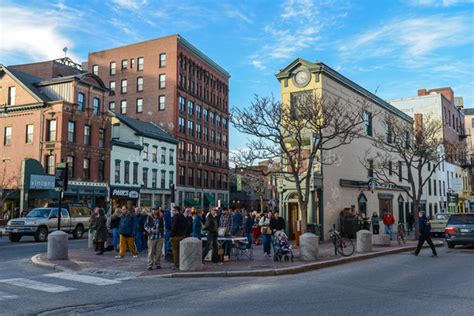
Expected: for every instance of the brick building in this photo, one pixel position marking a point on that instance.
(53, 120)
(171, 83)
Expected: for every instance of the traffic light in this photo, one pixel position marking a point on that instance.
(61, 177)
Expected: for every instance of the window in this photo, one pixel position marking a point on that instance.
(181, 175)
(163, 155)
(181, 149)
(71, 131)
(205, 177)
(139, 105)
(163, 179)
(11, 95)
(140, 63)
(154, 154)
(198, 111)
(388, 134)
(190, 108)
(126, 172)
(219, 138)
(87, 134)
(101, 169)
(213, 179)
(218, 120)
(135, 173)
(171, 157)
(154, 178)
(29, 133)
(439, 187)
(7, 136)
(407, 140)
(51, 164)
(145, 177)
(70, 166)
(213, 136)
(191, 176)
(400, 171)
(145, 152)
(171, 178)
(113, 68)
(429, 187)
(123, 106)
(205, 134)
(198, 153)
(161, 102)
(224, 122)
(124, 86)
(190, 128)
(211, 117)
(204, 114)
(86, 168)
(132, 63)
(198, 130)
(435, 191)
(390, 168)
(224, 140)
(112, 106)
(124, 63)
(101, 137)
(182, 104)
(198, 178)
(140, 84)
(51, 136)
(117, 171)
(182, 124)
(96, 106)
(204, 154)
(162, 81)
(190, 151)
(80, 102)
(368, 123)
(112, 87)
(162, 60)
(370, 170)
(95, 69)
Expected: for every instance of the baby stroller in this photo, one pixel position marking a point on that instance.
(281, 247)
(401, 233)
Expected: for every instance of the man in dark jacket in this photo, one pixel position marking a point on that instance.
(127, 230)
(167, 219)
(212, 228)
(179, 227)
(277, 222)
(425, 234)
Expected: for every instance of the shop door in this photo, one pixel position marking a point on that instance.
(385, 205)
(292, 218)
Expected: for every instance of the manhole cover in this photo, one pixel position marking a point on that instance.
(116, 274)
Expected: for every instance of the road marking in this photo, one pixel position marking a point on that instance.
(82, 278)
(39, 286)
(4, 296)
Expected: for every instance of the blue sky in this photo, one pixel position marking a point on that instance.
(391, 47)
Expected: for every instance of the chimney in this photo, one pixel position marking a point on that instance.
(421, 92)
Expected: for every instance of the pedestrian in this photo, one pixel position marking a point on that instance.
(425, 234)
(155, 228)
(127, 230)
(375, 220)
(179, 227)
(114, 227)
(101, 231)
(93, 226)
(248, 225)
(277, 223)
(188, 214)
(141, 219)
(212, 234)
(198, 224)
(7, 216)
(226, 221)
(411, 222)
(388, 221)
(238, 222)
(167, 219)
(264, 224)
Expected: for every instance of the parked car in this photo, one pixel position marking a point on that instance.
(41, 221)
(438, 223)
(460, 230)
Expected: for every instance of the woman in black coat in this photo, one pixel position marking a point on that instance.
(101, 231)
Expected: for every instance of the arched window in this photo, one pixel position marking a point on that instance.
(362, 202)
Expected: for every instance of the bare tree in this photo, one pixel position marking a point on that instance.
(299, 134)
(9, 185)
(403, 154)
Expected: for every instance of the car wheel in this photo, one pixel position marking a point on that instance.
(78, 232)
(450, 245)
(41, 234)
(14, 237)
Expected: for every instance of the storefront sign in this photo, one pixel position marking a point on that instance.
(124, 193)
(41, 182)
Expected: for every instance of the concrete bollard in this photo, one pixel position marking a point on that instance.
(381, 240)
(58, 245)
(364, 241)
(190, 254)
(309, 247)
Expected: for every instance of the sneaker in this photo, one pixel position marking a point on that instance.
(269, 255)
(150, 268)
(135, 256)
(118, 257)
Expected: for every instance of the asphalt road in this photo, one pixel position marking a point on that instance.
(399, 284)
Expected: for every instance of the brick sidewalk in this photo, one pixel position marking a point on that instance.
(86, 259)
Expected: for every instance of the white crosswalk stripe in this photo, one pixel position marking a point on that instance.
(36, 285)
(5, 296)
(82, 278)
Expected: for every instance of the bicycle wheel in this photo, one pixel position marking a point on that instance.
(345, 247)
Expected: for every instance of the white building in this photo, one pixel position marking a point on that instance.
(143, 163)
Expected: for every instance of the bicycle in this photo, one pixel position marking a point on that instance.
(343, 246)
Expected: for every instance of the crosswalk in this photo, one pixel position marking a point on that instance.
(45, 283)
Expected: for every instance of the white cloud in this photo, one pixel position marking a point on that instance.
(438, 3)
(131, 4)
(235, 13)
(35, 33)
(258, 64)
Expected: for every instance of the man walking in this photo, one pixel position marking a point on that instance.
(212, 228)
(178, 232)
(154, 226)
(425, 234)
(127, 230)
(388, 221)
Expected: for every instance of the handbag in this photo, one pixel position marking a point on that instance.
(266, 230)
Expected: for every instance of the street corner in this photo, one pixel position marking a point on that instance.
(41, 260)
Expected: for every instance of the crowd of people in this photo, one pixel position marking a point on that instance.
(159, 231)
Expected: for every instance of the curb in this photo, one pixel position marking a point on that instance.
(36, 261)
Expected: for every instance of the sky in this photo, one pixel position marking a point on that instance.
(390, 47)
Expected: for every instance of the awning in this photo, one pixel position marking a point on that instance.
(191, 203)
(209, 199)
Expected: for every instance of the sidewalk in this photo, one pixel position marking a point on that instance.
(87, 261)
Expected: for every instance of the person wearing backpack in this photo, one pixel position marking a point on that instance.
(388, 221)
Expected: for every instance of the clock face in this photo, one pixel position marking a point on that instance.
(301, 77)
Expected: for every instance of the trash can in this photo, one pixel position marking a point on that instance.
(349, 223)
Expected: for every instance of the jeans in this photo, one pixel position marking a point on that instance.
(389, 230)
(167, 242)
(211, 243)
(249, 239)
(228, 247)
(267, 243)
(115, 237)
(139, 241)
